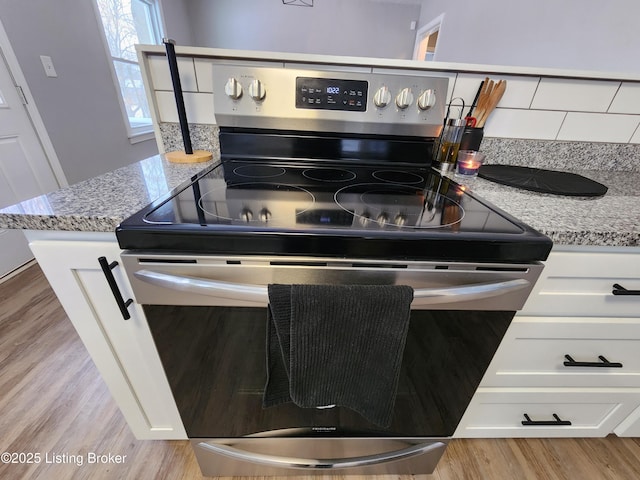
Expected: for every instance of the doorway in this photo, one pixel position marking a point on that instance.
(25, 169)
(427, 40)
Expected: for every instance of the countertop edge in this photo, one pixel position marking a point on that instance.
(133, 191)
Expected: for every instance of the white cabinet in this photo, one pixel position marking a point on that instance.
(630, 426)
(122, 350)
(572, 352)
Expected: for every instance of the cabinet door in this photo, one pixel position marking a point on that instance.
(630, 426)
(570, 412)
(123, 350)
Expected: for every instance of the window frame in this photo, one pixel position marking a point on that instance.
(145, 132)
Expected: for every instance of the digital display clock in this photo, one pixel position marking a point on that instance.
(331, 94)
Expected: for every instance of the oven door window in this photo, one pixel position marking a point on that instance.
(215, 361)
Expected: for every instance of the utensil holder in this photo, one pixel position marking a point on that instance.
(471, 138)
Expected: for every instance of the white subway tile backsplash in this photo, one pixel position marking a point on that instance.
(204, 69)
(204, 74)
(465, 86)
(198, 106)
(543, 108)
(519, 93)
(627, 100)
(574, 95)
(161, 76)
(514, 123)
(598, 127)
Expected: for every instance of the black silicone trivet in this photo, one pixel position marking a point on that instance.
(544, 181)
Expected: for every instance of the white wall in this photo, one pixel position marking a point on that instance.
(334, 27)
(176, 22)
(567, 34)
(80, 107)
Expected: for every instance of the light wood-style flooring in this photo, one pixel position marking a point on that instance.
(54, 402)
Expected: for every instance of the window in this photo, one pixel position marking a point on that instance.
(125, 23)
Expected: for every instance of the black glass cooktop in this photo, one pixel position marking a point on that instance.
(330, 209)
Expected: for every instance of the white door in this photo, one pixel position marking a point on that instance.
(24, 169)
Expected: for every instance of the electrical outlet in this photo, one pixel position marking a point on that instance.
(47, 63)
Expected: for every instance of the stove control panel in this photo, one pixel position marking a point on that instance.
(331, 100)
(331, 94)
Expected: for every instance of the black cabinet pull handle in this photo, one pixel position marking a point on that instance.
(549, 423)
(604, 363)
(122, 304)
(620, 290)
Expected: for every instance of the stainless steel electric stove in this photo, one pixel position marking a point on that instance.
(325, 178)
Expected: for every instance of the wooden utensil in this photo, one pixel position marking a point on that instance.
(474, 103)
(486, 88)
(492, 101)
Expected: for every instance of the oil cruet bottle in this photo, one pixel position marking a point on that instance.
(447, 146)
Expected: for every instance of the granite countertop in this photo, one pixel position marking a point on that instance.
(610, 220)
(101, 203)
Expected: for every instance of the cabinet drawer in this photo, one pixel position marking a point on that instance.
(602, 352)
(581, 283)
(497, 412)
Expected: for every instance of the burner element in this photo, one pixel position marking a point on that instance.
(329, 174)
(398, 176)
(259, 171)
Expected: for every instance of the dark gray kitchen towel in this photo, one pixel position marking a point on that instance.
(337, 345)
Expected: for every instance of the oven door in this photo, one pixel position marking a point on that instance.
(215, 361)
(208, 317)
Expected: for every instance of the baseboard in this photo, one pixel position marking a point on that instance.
(18, 270)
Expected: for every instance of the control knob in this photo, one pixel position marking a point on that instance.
(233, 89)
(400, 220)
(404, 98)
(257, 90)
(246, 215)
(382, 219)
(265, 215)
(365, 219)
(427, 99)
(382, 97)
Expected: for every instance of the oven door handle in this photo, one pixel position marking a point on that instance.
(474, 291)
(259, 294)
(325, 463)
(203, 286)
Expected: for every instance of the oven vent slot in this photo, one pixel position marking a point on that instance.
(441, 267)
(284, 263)
(167, 260)
(503, 269)
(379, 265)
